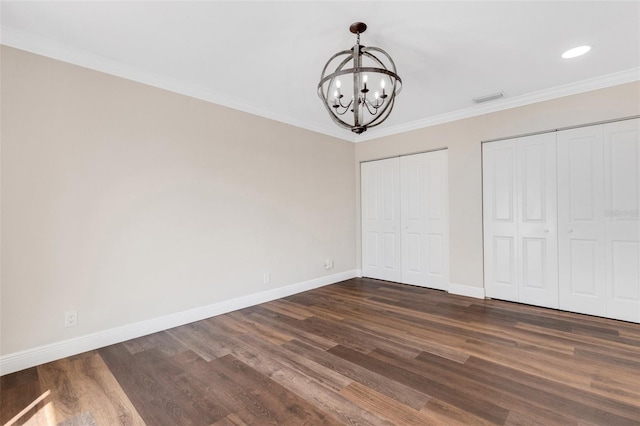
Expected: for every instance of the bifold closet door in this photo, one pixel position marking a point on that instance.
(598, 227)
(405, 219)
(519, 203)
(424, 219)
(380, 192)
(622, 221)
(499, 183)
(581, 228)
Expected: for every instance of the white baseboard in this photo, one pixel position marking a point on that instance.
(466, 290)
(31, 357)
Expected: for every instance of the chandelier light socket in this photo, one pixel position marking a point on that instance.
(358, 86)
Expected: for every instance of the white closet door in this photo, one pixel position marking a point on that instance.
(519, 213)
(500, 219)
(621, 209)
(381, 247)
(437, 218)
(581, 228)
(413, 183)
(424, 219)
(537, 220)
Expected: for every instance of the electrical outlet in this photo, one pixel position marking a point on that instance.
(266, 278)
(328, 264)
(70, 318)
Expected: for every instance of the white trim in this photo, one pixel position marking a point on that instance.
(29, 42)
(43, 46)
(595, 83)
(467, 290)
(31, 357)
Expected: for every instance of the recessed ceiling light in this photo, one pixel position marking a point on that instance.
(576, 51)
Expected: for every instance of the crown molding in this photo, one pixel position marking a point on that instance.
(609, 80)
(43, 46)
(29, 42)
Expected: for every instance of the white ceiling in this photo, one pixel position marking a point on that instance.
(265, 57)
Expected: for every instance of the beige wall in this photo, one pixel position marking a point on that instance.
(463, 139)
(127, 202)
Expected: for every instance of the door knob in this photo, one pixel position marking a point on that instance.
(546, 231)
(570, 231)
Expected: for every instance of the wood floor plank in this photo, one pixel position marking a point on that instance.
(230, 420)
(404, 336)
(540, 364)
(514, 396)
(623, 388)
(217, 388)
(150, 390)
(457, 397)
(334, 403)
(319, 393)
(162, 341)
(18, 391)
(398, 391)
(40, 413)
(189, 399)
(269, 402)
(200, 338)
(291, 329)
(267, 332)
(360, 352)
(307, 367)
(287, 308)
(437, 412)
(580, 404)
(84, 384)
(385, 407)
(582, 338)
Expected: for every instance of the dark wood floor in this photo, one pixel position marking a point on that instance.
(360, 352)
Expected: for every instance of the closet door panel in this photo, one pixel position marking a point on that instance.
(437, 220)
(537, 211)
(581, 231)
(371, 236)
(424, 219)
(622, 204)
(413, 207)
(500, 219)
(381, 247)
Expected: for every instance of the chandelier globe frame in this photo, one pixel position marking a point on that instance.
(360, 70)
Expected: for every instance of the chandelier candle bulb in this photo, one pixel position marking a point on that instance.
(357, 64)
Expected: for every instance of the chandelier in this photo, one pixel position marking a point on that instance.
(360, 91)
